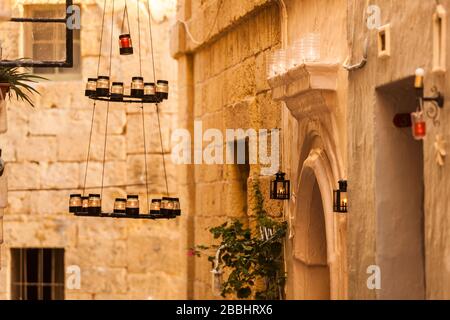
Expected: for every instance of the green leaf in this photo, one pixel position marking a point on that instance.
(244, 293)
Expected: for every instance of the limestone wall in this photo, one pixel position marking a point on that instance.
(46, 149)
(223, 84)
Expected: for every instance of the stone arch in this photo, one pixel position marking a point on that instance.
(318, 244)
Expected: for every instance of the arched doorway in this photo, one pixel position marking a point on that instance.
(311, 271)
(317, 268)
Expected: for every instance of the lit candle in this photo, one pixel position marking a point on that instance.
(132, 205)
(95, 204)
(162, 89)
(120, 206)
(117, 91)
(155, 207)
(137, 87)
(91, 87)
(102, 86)
(125, 44)
(75, 203)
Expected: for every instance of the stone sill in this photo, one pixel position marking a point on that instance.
(302, 87)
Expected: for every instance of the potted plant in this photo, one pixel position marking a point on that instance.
(12, 80)
(251, 258)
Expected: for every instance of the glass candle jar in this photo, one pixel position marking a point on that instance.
(419, 126)
(137, 87)
(176, 207)
(162, 89)
(102, 86)
(165, 205)
(155, 207)
(95, 204)
(75, 203)
(120, 206)
(117, 91)
(149, 90)
(132, 205)
(91, 87)
(84, 205)
(311, 47)
(125, 44)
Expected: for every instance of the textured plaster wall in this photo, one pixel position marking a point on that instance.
(411, 47)
(46, 149)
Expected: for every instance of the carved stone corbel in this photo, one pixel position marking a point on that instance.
(306, 88)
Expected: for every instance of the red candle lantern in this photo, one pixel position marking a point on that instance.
(125, 44)
(419, 126)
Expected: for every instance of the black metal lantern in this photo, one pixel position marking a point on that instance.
(280, 189)
(340, 198)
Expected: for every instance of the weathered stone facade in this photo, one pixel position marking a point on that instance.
(383, 229)
(334, 123)
(46, 149)
(222, 83)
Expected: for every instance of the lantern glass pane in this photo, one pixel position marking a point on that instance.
(343, 201)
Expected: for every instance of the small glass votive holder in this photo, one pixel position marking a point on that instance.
(84, 205)
(137, 87)
(311, 47)
(95, 204)
(102, 88)
(149, 90)
(295, 55)
(120, 206)
(125, 44)
(162, 89)
(132, 205)
(75, 203)
(166, 205)
(155, 206)
(176, 207)
(91, 87)
(117, 91)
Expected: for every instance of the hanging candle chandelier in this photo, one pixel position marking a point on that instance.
(104, 88)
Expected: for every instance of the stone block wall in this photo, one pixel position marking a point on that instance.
(223, 84)
(46, 149)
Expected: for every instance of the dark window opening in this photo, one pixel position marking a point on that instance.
(37, 274)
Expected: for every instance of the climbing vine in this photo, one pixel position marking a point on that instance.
(252, 258)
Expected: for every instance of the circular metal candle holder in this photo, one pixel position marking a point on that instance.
(128, 99)
(124, 216)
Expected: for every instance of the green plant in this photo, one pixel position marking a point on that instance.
(252, 258)
(18, 82)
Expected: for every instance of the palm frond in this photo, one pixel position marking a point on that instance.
(19, 82)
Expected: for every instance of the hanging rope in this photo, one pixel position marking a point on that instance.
(157, 105)
(95, 102)
(143, 111)
(125, 15)
(107, 105)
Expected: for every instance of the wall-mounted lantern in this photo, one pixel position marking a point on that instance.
(280, 188)
(340, 199)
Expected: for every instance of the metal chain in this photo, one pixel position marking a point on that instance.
(107, 105)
